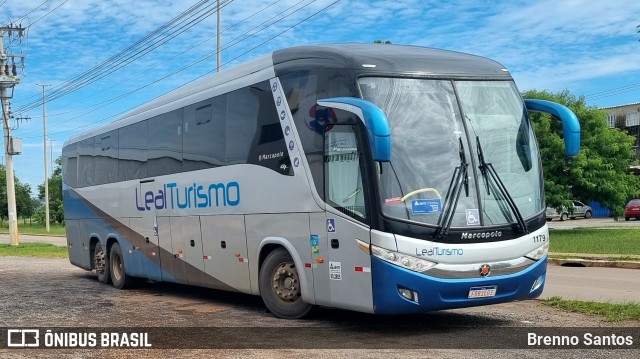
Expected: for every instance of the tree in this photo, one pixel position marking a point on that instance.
(600, 172)
(24, 203)
(56, 209)
(386, 42)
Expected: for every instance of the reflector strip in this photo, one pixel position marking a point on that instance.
(243, 260)
(307, 265)
(130, 251)
(363, 269)
(206, 257)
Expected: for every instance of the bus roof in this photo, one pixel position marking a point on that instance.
(391, 59)
(380, 59)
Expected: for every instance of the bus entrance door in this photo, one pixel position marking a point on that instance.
(349, 265)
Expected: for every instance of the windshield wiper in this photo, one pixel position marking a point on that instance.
(458, 179)
(487, 170)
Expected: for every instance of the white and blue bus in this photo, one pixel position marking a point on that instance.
(377, 178)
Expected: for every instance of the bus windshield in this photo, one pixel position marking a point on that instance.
(437, 123)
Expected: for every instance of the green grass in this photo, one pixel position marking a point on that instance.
(42, 250)
(57, 230)
(619, 241)
(610, 312)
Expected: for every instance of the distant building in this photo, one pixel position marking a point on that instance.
(626, 118)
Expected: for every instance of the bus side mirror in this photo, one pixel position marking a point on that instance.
(374, 120)
(570, 124)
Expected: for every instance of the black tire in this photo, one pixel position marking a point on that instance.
(101, 264)
(627, 218)
(563, 217)
(119, 276)
(587, 215)
(280, 286)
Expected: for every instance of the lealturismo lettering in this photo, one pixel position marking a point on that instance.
(172, 196)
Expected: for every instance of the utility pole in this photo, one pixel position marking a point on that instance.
(7, 82)
(219, 52)
(51, 157)
(46, 175)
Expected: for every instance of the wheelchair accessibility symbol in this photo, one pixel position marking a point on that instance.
(331, 225)
(473, 217)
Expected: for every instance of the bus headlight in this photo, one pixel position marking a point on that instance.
(402, 260)
(539, 252)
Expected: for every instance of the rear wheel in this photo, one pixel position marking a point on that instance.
(280, 286)
(101, 264)
(563, 217)
(119, 276)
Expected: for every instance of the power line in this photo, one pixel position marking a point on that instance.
(112, 100)
(614, 91)
(104, 66)
(47, 14)
(105, 63)
(185, 67)
(155, 66)
(132, 53)
(29, 13)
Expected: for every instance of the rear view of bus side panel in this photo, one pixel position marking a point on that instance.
(75, 244)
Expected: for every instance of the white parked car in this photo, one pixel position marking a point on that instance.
(579, 210)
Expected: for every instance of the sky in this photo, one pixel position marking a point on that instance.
(590, 48)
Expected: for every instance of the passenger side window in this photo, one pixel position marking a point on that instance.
(164, 140)
(106, 160)
(204, 144)
(86, 165)
(344, 171)
(70, 165)
(132, 151)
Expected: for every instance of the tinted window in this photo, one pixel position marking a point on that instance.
(106, 157)
(204, 144)
(164, 141)
(132, 151)
(70, 165)
(268, 148)
(242, 117)
(303, 89)
(86, 163)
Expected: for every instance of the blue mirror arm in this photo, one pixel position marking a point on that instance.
(570, 123)
(374, 120)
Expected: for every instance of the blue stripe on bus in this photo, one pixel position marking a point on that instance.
(436, 293)
(136, 263)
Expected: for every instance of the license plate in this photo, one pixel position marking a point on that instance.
(483, 292)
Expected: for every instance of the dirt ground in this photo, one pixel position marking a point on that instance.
(51, 293)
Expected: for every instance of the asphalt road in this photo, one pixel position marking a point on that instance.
(592, 222)
(616, 285)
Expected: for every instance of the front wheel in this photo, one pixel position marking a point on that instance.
(280, 286)
(587, 215)
(119, 277)
(563, 217)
